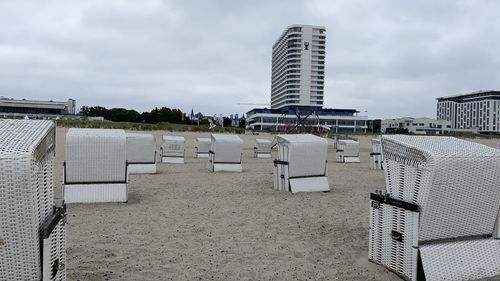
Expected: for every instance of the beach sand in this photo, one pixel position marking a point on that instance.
(186, 223)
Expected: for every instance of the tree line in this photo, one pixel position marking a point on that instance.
(155, 116)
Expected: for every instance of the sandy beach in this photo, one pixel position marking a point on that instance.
(186, 223)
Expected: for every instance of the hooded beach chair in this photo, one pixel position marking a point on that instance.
(202, 147)
(262, 148)
(141, 153)
(173, 149)
(301, 164)
(376, 162)
(95, 169)
(347, 151)
(438, 215)
(225, 153)
(32, 223)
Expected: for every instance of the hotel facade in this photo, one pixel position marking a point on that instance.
(475, 111)
(297, 86)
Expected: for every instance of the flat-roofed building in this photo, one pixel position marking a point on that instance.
(422, 126)
(10, 106)
(476, 111)
(338, 120)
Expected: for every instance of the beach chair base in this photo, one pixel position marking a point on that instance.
(95, 193)
(262, 155)
(351, 159)
(142, 168)
(223, 167)
(172, 160)
(313, 184)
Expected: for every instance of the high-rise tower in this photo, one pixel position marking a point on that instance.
(298, 67)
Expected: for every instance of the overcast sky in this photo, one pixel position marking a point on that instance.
(388, 58)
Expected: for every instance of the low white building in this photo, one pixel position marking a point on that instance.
(338, 120)
(423, 126)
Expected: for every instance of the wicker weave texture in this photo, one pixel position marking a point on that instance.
(54, 253)
(454, 182)
(95, 155)
(350, 147)
(227, 148)
(461, 260)
(26, 194)
(140, 148)
(173, 146)
(401, 255)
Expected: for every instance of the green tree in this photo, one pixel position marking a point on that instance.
(226, 121)
(242, 122)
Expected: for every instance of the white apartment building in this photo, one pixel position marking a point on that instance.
(297, 87)
(475, 111)
(422, 126)
(298, 67)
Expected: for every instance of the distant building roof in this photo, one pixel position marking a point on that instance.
(317, 111)
(474, 96)
(11, 105)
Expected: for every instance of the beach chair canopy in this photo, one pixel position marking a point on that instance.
(350, 147)
(95, 155)
(306, 154)
(140, 148)
(226, 148)
(203, 144)
(455, 183)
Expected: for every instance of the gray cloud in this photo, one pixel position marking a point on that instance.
(390, 58)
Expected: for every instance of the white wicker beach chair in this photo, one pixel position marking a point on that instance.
(225, 153)
(262, 148)
(438, 215)
(96, 166)
(173, 150)
(301, 165)
(376, 155)
(202, 147)
(141, 153)
(347, 151)
(32, 224)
